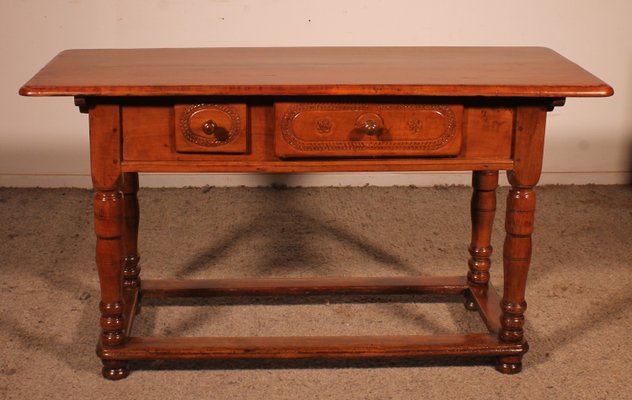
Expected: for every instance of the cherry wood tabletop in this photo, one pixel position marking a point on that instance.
(412, 71)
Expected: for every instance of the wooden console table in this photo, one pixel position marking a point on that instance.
(290, 110)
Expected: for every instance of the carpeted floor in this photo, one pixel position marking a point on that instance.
(578, 322)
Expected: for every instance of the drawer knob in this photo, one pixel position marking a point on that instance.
(209, 127)
(370, 127)
(370, 124)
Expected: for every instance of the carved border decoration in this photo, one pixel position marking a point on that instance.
(341, 145)
(210, 141)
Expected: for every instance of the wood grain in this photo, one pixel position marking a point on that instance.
(487, 303)
(151, 135)
(131, 212)
(521, 200)
(482, 212)
(418, 71)
(419, 164)
(303, 286)
(480, 344)
(108, 204)
(367, 130)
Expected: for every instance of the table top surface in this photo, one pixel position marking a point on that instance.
(405, 71)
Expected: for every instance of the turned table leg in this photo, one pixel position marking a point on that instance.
(516, 259)
(528, 149)
(108, 213)
(108, 225)
(483, 210)
(131, 270)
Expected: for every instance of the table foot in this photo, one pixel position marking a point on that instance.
(115, 370)
(509, 365)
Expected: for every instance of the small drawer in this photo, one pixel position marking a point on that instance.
(211, 128)
(367, 130)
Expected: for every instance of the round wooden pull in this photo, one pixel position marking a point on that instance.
(370, 127)
(370, 124)
(209, 127)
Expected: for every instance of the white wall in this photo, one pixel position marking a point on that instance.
(43, 141)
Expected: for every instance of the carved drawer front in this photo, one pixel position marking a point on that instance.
(211, 128)
(373, 130)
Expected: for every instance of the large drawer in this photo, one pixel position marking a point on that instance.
(367, 130)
